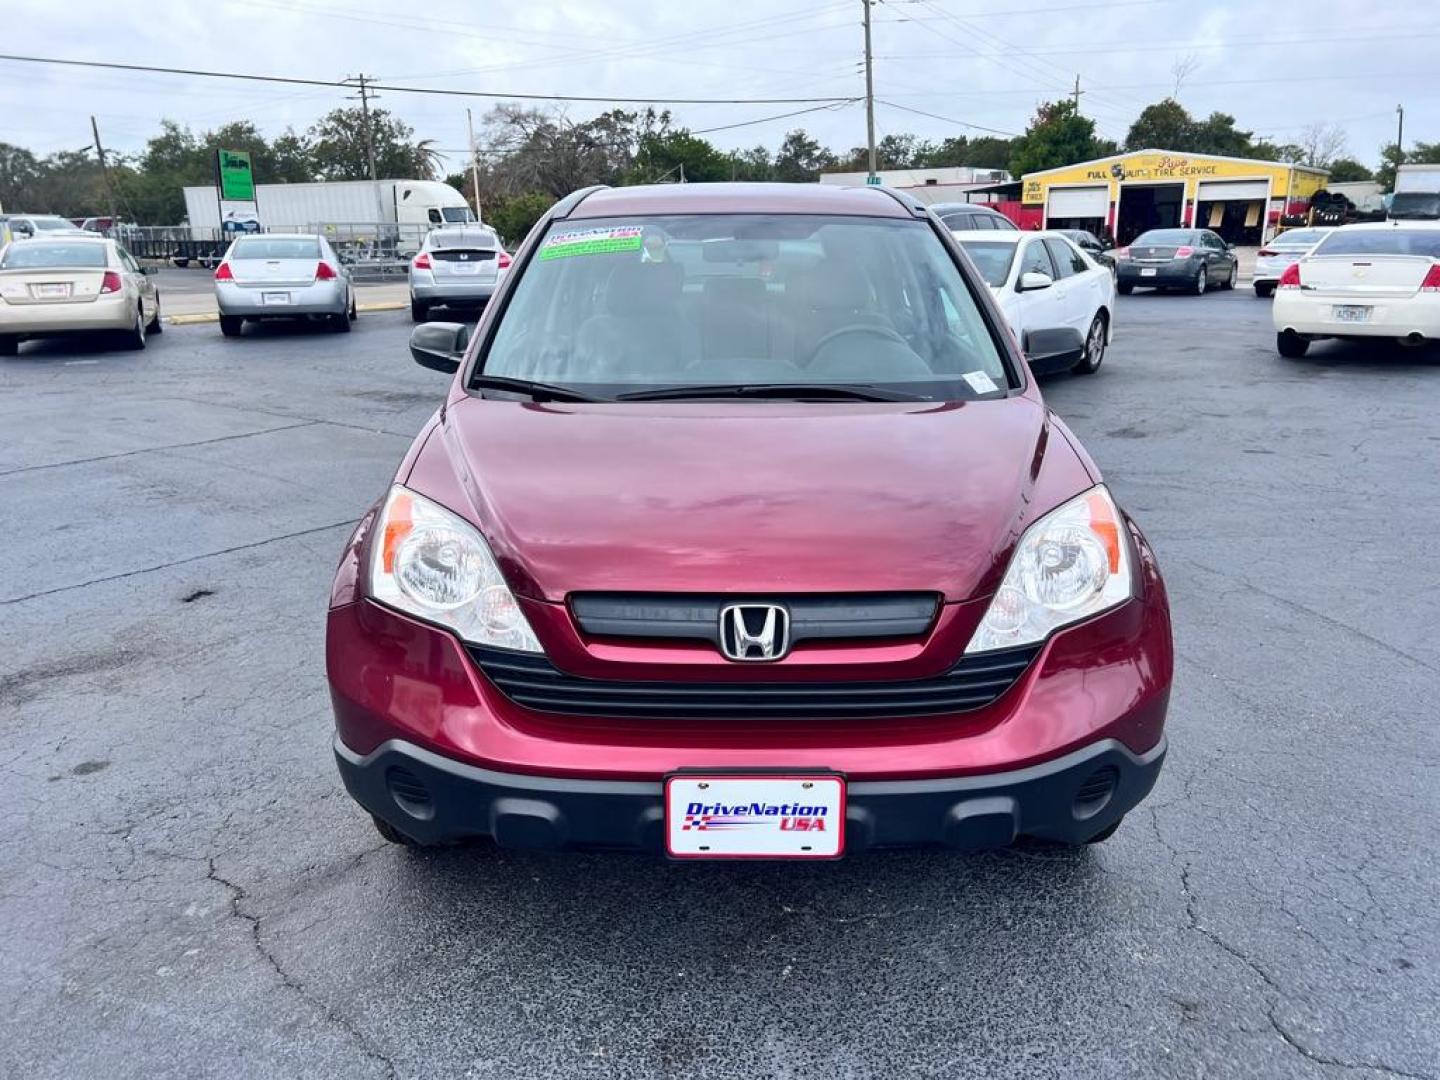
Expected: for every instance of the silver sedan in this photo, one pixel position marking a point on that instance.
(1275, 258)
(283, 276)
(456, 267)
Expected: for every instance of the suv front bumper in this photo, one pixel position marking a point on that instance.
(434, 799)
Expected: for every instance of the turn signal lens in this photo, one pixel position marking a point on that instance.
(1071, 564)
(434, 565)
(422, 261)
(110, 283)
(222, 272)
(1290, 277)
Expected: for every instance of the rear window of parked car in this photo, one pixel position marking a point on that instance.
(1167, 237)
(1424, 242)
(262, 248)
(461, 238)
(39, 255)
(1300, 237)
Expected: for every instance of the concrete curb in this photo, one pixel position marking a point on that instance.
(211, 316)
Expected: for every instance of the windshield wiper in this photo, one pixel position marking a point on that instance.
(834, 391)
(538, 391)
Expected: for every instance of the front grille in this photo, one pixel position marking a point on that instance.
(535, 683)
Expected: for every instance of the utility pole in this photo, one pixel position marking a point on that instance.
(1400, 137)
(474, 162)
(869, 97)
(1078, 92)
(104, 171)
(364, 97)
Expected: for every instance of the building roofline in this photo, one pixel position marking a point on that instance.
(1178, 153)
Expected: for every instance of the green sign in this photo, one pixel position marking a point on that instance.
(237, 183)
(873, 180)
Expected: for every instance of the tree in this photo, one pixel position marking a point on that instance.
(801, 159)
(1058, 135)
(1345, 170)
(512, 216)
(989, 152)
(338, 146)
(678, 155)
(1166, 125)
(753, 164)
(1320, 144)
(20, 178)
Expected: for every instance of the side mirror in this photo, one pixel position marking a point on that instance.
(1033, 280)
(147, 270)
(22, 229)
(1060, 346)
(440, 346)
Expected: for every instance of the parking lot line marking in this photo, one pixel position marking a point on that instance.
(349, 522)
(158, 449)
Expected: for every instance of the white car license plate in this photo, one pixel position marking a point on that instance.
(52, 291)
(275, 299)
(730, 816)
(1352, 313)
(1148, 273)
(465, 268)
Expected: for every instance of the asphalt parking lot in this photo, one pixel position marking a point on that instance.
(185, 889)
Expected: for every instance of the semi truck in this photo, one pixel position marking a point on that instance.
(287, 207)
(1417, 192)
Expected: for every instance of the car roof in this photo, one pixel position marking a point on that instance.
(996, 236)
(280, 236)
(1393, 223)
(70, 237)
(964, 207)
(741, 198)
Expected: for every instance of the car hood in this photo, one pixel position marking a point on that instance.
(749, 497)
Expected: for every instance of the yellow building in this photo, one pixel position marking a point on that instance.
(1125, 194)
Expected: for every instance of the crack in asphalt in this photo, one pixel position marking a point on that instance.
(344, 1023)
(157, 449)
(1278, 993)
(176, 562)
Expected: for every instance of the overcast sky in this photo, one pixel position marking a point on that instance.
(1276, 66)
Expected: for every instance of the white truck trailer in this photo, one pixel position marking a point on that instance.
(1417, 192)
(288, 207)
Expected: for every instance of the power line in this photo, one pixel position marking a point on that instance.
(434, 91)
(777, 116)
(949, 119)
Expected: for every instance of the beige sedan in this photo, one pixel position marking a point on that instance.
(74, 285)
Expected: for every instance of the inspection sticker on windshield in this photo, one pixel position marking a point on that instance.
(593, 242)
(979, 381)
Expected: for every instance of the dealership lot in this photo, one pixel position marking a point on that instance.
(185, 888)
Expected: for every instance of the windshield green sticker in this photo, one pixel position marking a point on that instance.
(593, 242)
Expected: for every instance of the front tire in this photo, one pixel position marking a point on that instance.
(230, 325)
(1264, 290)
(1291, 345)
(1094, 347)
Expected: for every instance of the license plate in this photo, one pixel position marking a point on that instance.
(465, 268)
(730, 816)
(1148, 273)
(1352, 313)
(52, 292)
(275, 298)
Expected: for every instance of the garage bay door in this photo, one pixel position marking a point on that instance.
(1086, 202)
(1233, 190)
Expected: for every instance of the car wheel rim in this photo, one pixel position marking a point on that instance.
(1096, 346)
(140, 325)
(1200, 282)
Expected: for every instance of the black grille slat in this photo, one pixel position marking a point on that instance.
(535, 683)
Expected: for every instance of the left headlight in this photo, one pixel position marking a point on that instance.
(1071, 564)
(430, 563)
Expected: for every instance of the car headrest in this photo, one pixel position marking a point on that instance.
(637, 288)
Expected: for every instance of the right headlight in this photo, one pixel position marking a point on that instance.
(1071, 564)
(435, 565)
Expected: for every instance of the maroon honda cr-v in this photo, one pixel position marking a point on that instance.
(744, 532)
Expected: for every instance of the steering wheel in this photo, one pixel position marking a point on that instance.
(885, 333)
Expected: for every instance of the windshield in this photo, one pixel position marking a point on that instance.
(1165, 238)
(628, 303)
(267, 248)
(1300, 238)
(1422, 242)
(991, 259)
(42, 223)
(36, 254)
(456, 214)
(1417, 204)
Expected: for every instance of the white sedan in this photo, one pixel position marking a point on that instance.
(1376, 280)
(76, 283)
(1042, 281)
